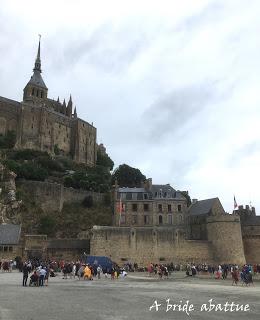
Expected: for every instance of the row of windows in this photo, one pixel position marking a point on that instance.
(160, 207)
(6, 249)
(145, 196)
(148, 219)
(37, 93)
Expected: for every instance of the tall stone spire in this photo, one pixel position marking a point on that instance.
(69, 107)
(64, 107)
(36, 90)
(75, 115)
(37, 65)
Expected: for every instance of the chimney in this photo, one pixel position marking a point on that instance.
(148, 184)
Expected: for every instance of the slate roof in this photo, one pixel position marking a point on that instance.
(68, 244)
(9, 234)
(14, 102)
(126, 190)
(202, 207)
(166, 191)
(36, 79)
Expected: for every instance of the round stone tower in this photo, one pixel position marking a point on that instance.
(224, 232)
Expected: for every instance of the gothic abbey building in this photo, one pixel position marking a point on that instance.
(43, 124)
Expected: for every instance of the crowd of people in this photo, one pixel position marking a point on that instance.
(8, 265)
(38, 272)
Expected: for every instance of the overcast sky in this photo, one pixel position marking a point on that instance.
(171, 86)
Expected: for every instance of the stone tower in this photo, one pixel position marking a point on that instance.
(225, 234)
(36, 90)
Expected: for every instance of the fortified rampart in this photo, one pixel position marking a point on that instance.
(144, 245)
(52, 196)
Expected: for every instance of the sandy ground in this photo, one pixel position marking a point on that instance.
(129, 298)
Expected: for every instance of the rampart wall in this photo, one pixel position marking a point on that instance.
(146, 245)
(52, 196)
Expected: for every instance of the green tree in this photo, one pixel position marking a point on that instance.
(186, 195)
(47, 225)
(8, 141)
(104, 160)
(127, 176)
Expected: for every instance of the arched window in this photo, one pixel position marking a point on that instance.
(32, 91)
(160, 219)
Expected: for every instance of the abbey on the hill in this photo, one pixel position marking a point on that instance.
(43, 124)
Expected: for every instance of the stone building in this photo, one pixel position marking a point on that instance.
(44, 124)
(151, 205)
(155, 223)
(10, 246)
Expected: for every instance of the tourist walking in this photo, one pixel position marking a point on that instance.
(25, 274)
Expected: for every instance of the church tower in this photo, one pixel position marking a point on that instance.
(36, 90)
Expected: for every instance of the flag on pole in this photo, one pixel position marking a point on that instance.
(120, 210)
(235, 203)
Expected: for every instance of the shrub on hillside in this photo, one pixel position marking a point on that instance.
(8, 141)
(88, 202)
(47, 225)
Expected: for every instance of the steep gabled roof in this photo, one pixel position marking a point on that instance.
(37, 80)
(202, 207)
(9, 234)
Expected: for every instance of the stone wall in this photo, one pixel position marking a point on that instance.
(252, 249)
(9, 252)
(52, 196)
(148, 244)
(38, 126)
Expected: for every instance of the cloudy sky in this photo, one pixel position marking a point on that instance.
(172, 86)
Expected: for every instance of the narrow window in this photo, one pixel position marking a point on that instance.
(146, 207)
(160, 219)
(179, 207)
(123, 220)
(41, 94)
(134, 207)
(32, 91)
(134, 219)
(37, 93)
(146, 219)
(169, 218)
(169, 208)
(160, 207)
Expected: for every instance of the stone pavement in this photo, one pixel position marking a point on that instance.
(121, 299)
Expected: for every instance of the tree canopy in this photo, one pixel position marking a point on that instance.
(104, 160)
(127, 176)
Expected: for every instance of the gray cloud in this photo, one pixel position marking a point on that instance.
(107, 48)
(240, 154)
(174, 111)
